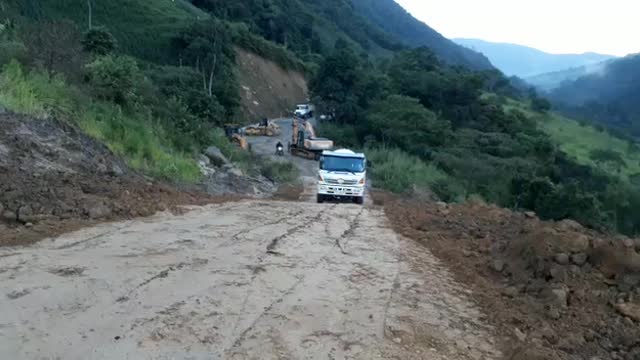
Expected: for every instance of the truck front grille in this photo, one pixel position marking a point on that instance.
(345, 182)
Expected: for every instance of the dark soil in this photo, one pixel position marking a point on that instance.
(553, 290)
(54, 179)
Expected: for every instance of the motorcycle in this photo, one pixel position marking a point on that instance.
(280, 150)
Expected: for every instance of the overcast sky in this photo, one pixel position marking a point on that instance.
(556, 26)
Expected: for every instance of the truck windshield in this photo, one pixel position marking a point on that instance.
(346, 164)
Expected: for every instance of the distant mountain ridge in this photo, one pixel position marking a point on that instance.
(524, 61)
(610, 96)
(550, 81)
(396, 21)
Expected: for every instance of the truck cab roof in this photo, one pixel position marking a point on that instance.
(343, 153)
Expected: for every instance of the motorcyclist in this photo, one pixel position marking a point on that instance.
(279, 148)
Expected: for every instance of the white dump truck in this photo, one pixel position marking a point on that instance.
(342, 175)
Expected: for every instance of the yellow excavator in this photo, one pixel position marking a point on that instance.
(305, 143)
(236, 135)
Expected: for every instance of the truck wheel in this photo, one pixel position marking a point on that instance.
(320, 199)
(359, 200)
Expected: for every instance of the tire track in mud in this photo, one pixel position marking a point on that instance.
(352, 225)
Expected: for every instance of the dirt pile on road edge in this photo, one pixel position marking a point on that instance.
(554, 290)
(54, 179)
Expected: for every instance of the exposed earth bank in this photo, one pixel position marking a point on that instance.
(53, 179)
(553, 290)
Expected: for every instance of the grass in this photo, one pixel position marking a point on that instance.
(142, 28)
(127, 133)
(579, 140)
(399, 172)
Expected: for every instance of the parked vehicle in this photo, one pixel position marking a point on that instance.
(304, 111)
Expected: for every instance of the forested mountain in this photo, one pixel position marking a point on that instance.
(396, 21)
(610, 97)
(156, 81)
(549, 81)
(525, 62)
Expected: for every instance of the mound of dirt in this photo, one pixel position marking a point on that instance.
(53, 178)
(554, 290)
(268, 90)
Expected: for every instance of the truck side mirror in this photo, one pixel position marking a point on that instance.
(369, 164)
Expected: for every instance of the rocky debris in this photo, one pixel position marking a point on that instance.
(216, 156)
(530, 214)
(57, 179)
(558, 277)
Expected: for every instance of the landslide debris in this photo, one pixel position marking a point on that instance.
(54, 178)
(555, 290)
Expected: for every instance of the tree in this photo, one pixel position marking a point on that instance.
(335, 85)
(609, 159)
(115, 78)
(403, 122)
(99, 41)
(540, 104)
(55, 45)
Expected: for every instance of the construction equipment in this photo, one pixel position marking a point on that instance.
(235, 134)
(304, 142)
(264, 128)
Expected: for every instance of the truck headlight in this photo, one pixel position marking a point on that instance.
(362, 181)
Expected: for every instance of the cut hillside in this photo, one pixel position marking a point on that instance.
(554, 290)
(267, 89)
(54, 178)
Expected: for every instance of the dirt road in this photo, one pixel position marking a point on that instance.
(245, 280)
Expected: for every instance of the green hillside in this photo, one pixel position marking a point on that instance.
(583, 142)
(143, 28)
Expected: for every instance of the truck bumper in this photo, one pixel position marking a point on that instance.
(339, 191)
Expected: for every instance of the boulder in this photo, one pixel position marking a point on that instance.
(216, 156)
(629, 310)
(579, 259)
(558, 297)
(98, 211)
(25, 213)
(562, 259)
(530, 214)
(498, 265)
(568, 225)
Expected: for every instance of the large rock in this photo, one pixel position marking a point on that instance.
(558, 297)
(579, 258)
(562, 258)
(98, 211)
(629, 310)
(216, 156)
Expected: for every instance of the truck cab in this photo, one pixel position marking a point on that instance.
(304, 111)
(342, 175)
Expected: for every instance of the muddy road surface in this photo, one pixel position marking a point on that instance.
(244, 280)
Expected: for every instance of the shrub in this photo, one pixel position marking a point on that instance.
(280, 172)
(99, 41)
(396, 171)
(115, 78)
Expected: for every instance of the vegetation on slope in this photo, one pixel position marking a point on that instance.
(481, 145)
(610, 96)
